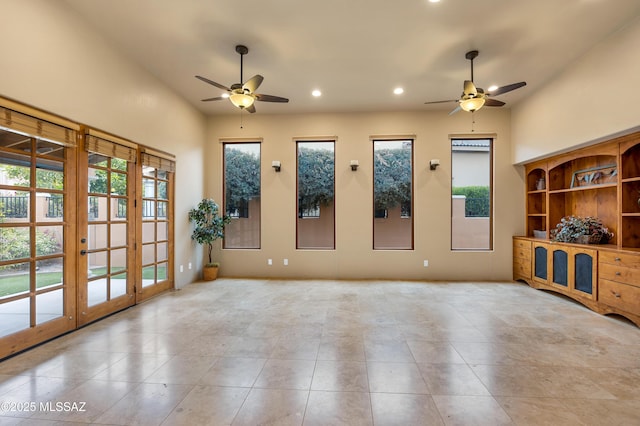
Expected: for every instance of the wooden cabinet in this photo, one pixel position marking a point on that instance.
(569, 269)
(540, 262)
(619, 284)
(583, 273)
(630, 194)
(602, 278)
(600, 181)
(521, 259)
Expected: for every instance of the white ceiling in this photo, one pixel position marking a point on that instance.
(355, 51)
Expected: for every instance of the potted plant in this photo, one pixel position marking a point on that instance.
(209, 226)
(583, 230)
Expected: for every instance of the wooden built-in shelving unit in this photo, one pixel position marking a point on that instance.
(601, 181)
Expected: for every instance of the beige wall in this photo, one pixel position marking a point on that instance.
(354, 257)
(53, 61)
(589, 101)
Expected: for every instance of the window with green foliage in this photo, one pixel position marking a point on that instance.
(316, 181)
(242, 195)
(471, 194)
(393, 194)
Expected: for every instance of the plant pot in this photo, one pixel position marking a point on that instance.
(209, 273)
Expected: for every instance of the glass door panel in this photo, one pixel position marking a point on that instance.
(107, 240)
(37, 294)
(155, 216)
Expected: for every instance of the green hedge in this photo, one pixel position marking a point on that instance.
(477, 203)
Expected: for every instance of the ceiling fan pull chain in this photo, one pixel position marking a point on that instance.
(473, 121)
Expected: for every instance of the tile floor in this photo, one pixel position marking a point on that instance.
(248, 352)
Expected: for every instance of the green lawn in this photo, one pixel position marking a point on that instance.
(19, 283)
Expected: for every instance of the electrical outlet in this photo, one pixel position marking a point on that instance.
(189, 266)
(181, 268)
(426, 263)
(286, 262)
(269, 262)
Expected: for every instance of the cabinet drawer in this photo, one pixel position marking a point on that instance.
(520, 253)
(522, 268)
(622, 296)
(521, 244)
(624, 259)
(619, 274)
(522, 249)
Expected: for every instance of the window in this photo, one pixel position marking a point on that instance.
(471, 194)
(316, 180)
(242, 194)
(392, 194)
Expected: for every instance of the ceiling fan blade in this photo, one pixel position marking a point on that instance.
(455, 110)
(251, 109)
(213, 83)
(441, 102)
(493, 102)
(509, 87)
(219, 98)
(253, 83)
(470, 88)
(269, 98)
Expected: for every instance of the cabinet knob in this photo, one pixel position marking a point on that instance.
(616, 295)
(617, 259)
(618, 273)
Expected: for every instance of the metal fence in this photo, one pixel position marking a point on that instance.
(14, 207)
(55, 204)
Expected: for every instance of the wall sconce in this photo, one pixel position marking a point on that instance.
(354, 165)
(276, 165)
(433, 164)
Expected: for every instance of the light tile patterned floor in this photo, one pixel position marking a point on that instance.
(248, 352)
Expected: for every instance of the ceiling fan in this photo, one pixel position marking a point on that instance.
(473, 98)
(242, 95)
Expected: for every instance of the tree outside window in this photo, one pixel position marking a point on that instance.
(242, 194)
(392, 194)
(316, 182)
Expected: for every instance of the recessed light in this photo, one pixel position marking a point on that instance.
(316, 93)
(398, 90)
(492, 88)
(434, 1)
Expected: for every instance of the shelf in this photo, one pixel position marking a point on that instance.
(631, 179)
(628, 215)
(537, 191)
(584, 188)
(537, 214)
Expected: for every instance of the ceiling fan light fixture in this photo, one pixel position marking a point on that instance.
(472, 104)
(241, 100)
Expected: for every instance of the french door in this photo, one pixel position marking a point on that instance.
(156, 216)
(37, 230)
(126, 225)
(86, 225)
(106, 226)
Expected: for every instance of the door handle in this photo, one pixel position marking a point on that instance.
(83, 252)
